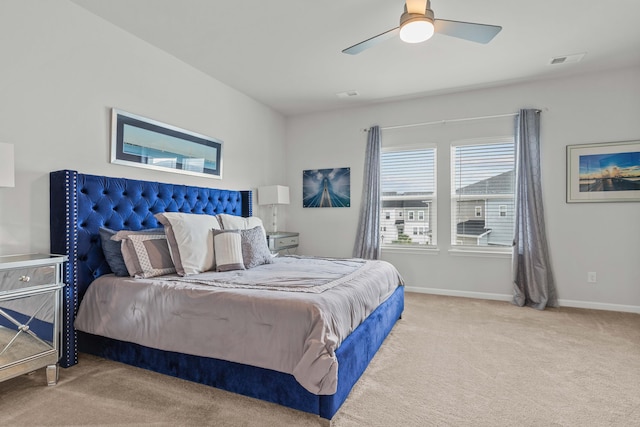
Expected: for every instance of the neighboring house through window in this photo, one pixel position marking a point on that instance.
(481, 188)
(482, 193)
(408, 179)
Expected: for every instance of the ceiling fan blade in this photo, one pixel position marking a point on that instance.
(359, 47)
(479, 33)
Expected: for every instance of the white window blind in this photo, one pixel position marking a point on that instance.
(482, 198)
(408, 184)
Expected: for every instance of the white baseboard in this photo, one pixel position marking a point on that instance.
(464, 294)
(599, 306)
(505, 297)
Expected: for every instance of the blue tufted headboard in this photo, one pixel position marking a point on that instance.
(81, 204)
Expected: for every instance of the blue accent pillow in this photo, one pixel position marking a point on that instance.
(113, 250)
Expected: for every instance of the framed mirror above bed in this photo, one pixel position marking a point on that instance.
(146, 143)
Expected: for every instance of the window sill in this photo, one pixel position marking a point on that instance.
(485, 252)
(425, 250)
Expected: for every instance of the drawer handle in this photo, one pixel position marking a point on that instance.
(25, 278)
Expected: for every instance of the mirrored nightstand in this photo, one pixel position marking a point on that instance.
(282, 240)
(30, 314)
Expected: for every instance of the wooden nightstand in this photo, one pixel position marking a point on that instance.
(30, 314)
(280, 240)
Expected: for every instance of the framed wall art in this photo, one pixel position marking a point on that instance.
(326, 188)
(607, 172)
(138, 141)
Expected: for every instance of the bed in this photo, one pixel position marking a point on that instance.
(81, 204)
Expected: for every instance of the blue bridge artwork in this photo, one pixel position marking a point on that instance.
(326, 188)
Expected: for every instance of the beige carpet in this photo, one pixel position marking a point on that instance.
(448, 362)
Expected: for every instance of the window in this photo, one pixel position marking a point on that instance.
(408, 183)
(482, 193)
(387, 215)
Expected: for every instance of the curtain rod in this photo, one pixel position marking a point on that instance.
(442, 122)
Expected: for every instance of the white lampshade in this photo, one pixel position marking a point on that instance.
(7, 172)
(273, 195)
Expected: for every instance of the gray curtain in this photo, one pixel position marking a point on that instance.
(368, 235)
(532, 276)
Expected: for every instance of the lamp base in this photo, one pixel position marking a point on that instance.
(274, 219)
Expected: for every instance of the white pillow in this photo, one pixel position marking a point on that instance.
(190, 238)
(232, 222)
(228, 249)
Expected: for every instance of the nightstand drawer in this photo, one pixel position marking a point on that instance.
(21, 278)
(282, 240)
(286, 242)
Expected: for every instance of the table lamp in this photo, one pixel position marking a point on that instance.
(273, 195)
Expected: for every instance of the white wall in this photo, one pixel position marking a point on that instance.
(600, 237)
(63, 69)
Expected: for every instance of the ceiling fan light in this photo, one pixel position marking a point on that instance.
(416, 29)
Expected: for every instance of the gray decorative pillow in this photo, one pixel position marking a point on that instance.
(228, 250)
(255, 250)
(113, 252)
(147, 255)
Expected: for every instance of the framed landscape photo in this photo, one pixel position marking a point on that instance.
(138, 141)
(608, 172)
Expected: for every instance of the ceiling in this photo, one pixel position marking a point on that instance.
(287, 53)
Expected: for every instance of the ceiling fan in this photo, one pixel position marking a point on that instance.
(417, 24)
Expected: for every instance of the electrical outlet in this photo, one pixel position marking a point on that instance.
(591, 277)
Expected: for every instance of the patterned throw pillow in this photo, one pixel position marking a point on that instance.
(112, 248)
(147, 255)
(255, 250)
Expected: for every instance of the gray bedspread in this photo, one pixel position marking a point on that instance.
(289, 316)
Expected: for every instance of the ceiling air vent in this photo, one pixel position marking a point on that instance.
(348, 94)
(568, 59)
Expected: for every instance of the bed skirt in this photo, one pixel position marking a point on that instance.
(354, 354)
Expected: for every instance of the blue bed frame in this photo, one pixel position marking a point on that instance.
(81, 203)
